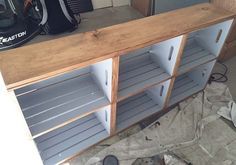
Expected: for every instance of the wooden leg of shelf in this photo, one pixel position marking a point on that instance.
(113, 118)
(172, 81)
(115, 80)
(180, 54)
(178, 61)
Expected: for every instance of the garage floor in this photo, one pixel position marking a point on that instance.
(110, 16)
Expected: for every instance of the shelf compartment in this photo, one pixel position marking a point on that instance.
(142, 105)
(190, 83)
(65, 142)
(193, 56)
(203, 46)
(146, 67)
(52, 104)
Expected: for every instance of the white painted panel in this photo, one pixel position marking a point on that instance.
(161, 53)
(97, 4)
(202, 73)
(207, 37)
(102, 73)
(120, 2)
(104, 116)
(159, 92)
(17, 145)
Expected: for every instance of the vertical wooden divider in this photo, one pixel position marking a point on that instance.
(177, 64)
(115, 78)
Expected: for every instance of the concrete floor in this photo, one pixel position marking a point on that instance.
(232, 76)
(110, 16)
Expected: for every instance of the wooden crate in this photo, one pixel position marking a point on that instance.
(76, 91)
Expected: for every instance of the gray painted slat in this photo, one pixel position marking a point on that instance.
(77, 148)
(135, 53)
(70, 142)
(140, 70)
(53, 91)
(184, 68)
(71, 139)
(51, 81)
(50, 142)
(193, 56)
(127, 67)
(59, 101)
(61, 130)
(135, 111)
(39, 128)
(130, 99)
(135, 103)
(143, 84)
(57, 104)
(75, 105)
(140, 78)
(180, 77)
(191, 50)
(134, 58)
(184, 95)
(132, 112)
(138, 117)
(183, 88)
(183, 82)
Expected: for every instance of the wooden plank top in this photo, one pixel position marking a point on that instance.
(31, 63)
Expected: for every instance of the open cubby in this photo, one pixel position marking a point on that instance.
(145, 71)
(203, 46)
(142, 105)
(148, 66)
(190, 83)
(67, 141)
(55, 102)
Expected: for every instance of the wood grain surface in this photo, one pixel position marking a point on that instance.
(36, 62)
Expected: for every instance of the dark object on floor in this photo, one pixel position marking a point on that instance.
(155, 160)
(110, 160)
(18, 23)
(220, 77)
(80, 6)
(172, 159)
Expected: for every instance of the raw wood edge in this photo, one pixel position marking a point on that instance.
(175, 73)
(114, 95)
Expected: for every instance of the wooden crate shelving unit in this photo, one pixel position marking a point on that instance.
(81, 89)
